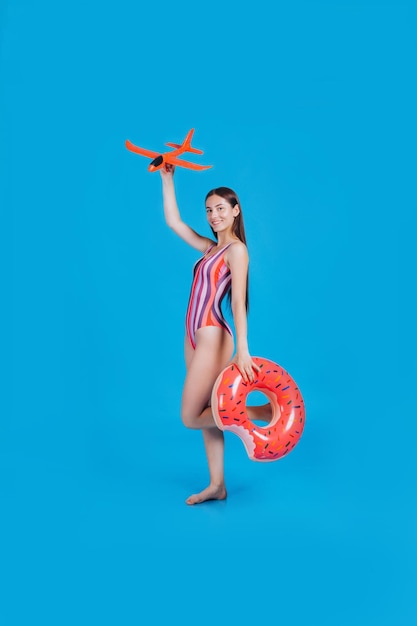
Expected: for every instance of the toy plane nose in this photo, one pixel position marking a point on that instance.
(156, 163)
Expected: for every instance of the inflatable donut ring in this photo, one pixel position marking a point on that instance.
(228, 402)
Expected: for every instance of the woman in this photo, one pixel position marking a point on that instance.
(209, 342)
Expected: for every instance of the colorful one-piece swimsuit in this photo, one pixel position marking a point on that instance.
(211, 283)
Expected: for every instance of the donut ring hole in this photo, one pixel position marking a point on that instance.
(264, 402)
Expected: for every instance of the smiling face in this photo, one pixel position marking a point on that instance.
(220, 213)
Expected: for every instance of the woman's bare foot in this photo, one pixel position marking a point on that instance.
(212, 492)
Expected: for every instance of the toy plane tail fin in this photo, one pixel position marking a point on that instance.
(186, 144)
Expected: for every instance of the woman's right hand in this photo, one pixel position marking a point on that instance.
(167, 171)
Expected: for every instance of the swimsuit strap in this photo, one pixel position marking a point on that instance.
(209, 248)
(218, 251)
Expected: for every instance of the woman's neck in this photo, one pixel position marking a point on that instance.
(225, 238)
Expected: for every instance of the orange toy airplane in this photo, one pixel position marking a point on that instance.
(159, 160)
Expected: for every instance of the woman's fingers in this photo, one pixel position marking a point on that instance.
(247, 371)
(167, 170)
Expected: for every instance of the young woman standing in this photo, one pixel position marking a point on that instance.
(209, 344)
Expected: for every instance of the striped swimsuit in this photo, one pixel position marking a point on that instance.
(212, 281)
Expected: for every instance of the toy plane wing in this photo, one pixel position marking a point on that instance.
(187, 164)
(148, 153)
(183, 148)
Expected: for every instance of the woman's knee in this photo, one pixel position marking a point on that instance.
(189, 420)
(192, 408)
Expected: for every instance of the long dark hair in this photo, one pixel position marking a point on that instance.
(238, 227)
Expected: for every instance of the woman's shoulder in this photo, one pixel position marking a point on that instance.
(236, 251)
(237, 247)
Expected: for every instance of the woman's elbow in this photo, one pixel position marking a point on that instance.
(238, 306)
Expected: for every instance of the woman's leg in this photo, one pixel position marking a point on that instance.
(213, 352)
(214, 446)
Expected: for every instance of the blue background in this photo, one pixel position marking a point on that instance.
(307, 109)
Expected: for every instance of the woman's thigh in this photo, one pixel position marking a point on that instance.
(188, 352)
(213, 351)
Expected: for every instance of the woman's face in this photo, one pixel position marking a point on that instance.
(220, 214)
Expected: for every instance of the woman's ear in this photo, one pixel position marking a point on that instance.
(236, 210)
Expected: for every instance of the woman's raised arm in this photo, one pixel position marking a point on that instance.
(172, 214)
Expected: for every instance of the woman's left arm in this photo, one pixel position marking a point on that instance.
(238, 262)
